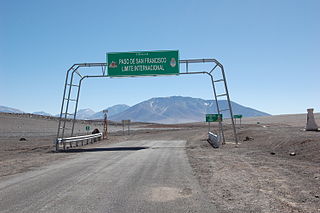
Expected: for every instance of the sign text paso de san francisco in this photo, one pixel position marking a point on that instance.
(144, 63)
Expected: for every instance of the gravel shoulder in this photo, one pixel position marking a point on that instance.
(259, 175)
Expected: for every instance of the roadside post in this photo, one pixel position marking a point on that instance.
(124, 124)
(105, 124)
(237, 117)
(128, 122)
(87, 129)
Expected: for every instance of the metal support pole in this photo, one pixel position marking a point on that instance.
(62, 106)
(213, 68)
(63, 99)
(218, 109)
(76, 108)
(67, 106)
(229, 103)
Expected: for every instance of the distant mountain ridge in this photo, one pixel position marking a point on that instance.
(174, 109)
(178, 109)
(111, 111)
(42, 113)
(9, 110)
(85, 113)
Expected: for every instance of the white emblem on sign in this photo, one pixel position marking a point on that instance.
(173, 62)
(113, 64)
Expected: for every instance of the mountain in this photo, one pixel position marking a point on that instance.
(42, 113)
(177, 109)
(85, 113)
(111, 111)
(9, 110)
(89, 114)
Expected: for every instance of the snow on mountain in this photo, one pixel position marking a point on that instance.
(85, 113)
(42, 113)
(111, 111)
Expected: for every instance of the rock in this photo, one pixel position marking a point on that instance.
(292, 154)
(311, 122)
(95, 131)
(22, 139)
(248, 138)
(272, 153)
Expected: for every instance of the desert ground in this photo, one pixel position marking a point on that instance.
(274, 168)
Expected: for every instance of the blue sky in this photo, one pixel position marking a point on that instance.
(270, 50)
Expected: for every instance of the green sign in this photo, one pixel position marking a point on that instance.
(87, 128)
(143, 63)
(213, 117)
(237, 116)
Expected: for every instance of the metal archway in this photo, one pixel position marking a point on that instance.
(70, 85)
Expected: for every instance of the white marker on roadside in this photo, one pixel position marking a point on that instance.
(311, 122)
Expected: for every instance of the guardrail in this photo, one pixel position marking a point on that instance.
(84, 139)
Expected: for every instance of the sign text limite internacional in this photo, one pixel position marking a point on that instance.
(143, 63)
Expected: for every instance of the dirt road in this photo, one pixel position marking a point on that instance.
(131, 176)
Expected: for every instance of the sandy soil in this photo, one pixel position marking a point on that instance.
(258, 175)
(40, 133)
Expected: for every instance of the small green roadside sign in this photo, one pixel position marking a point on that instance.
(237, 116)
(213, 117)
(146, 63)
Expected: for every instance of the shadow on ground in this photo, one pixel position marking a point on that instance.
(137, 148)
